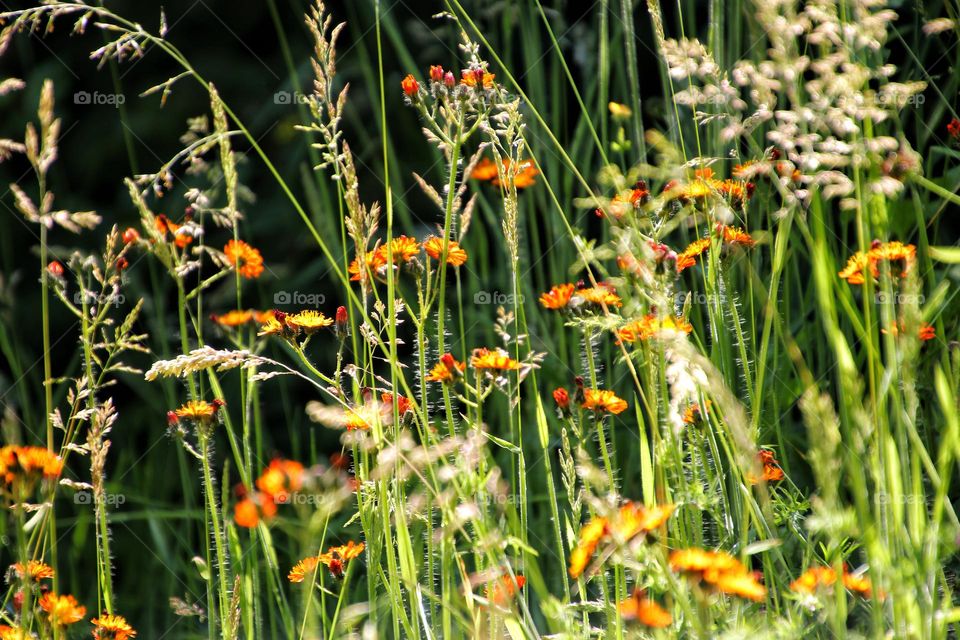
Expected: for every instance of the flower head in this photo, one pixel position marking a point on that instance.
(639, 608)
(410, 85)
(502, 591)
(336, 558)
(248, 512)
(35, 571)
(27, 464)
(199, 411)
(112, 627)
(447, 369)
(602, 400)
(590, 536)
(653, 326)
(246, 259)
(402, 249)
(718, 570)
(304, 568)
(861, 263)
(602, 294)
(562, 398)
(372, 262)
(456, 256)
(694, 414)
(280, 479)
(619, 111)
(558, 297)
(497, 359)
(308, 321)
(62, 610)
(476, 77)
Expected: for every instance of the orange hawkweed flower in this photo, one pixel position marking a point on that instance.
(485, 169)
(926, 331)
(694, 413)
(164, 225)
(199, 410)
(688, 257)
(456, 256)
(308, 321)
(558, 297)
(736, 236)
(526, 174)
(653, 326)
(498, 359)
(246, 259)
(853, 273)
(476, 78)
(447, 369)
(503, 590)
(410, 85)
(35, 570)
(112, 627)
(815, 578)
(742, 584)
(719, 570)
(233, 318)
(634, 518)
(271, 326)
(562, 398)
(639, 608)
(280, 479)
(401, 249)
(13, 633)
(602, 400)
(304, 568)
(860, 263)
(590, 536)
(248, 512)
(22, 466)
(62, 611)
(771, 468)
(600, 295)
(336, 558)
(372, 261)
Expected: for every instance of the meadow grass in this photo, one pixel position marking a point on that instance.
(644, 352)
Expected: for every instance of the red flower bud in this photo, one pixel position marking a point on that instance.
(172, 418)
(131, 235)
(410, 85)
(122, 263)
(55, 269)
(436, 73)
(449, 80)
(217, 403)
(562, 398)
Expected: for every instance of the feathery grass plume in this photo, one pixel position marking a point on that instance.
(200, 359)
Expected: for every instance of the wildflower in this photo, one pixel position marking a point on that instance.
(856, 265)
(815, 578)
(558, 297)
(35, 570)
(861, 263)
(272, 326)
(926, 331)
(248, 512)
(688, 257)
(525, 176)
(55, 269)
(280, 479)
(634, 518)
(718, 570)
(233, 318)
(246, 259)
(401, 249)
(736, 236)
(308, 321)
(562, 398)
(645, 611)
(771, 468)
(456, 256)
(112, 627)
(695, 414)
(199, 411)
(130, 236)
(404, 404)
(181, 236)
(436, 73)
(336, 558)
(63, 610)
(503, 590)
(620, 204)
(13, 633)
(304, 568)
(121, 264)
(485, 169)
(953, 128)
(410, 85)
(619, 111)
(602, 400)
(602, 294)
(653, 326)
(28, 463)
(484, 358)
(590, 536)
(446, 370)
(372, 261)
(476, 77)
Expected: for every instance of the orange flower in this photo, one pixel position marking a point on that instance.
(853, 273)
(112, 627)
(695, 414)
(401, 249)
(280, 479)
(603, 400)
(164, 225)
(600, 295)
(719, 570)
(771, 468)
(858, 584)
(303, 569)
(446, 370)
(456, 256)
(813, 578)
(246, 259)
(485, 169)
(653, 326)
(271, 326)
(476, 78)
(860, 262)
(590, 536)
(199, 411)
(736, 236)
(13, 633)
(308, 321)
(926, 331)
(404, 404)
(372, 262)
(634, 518)
(28, 463)
(688, 257)
(484, 358)
(62, 611)
(35, 570)
(742, 584)
(233, 318)
(562, 398)
(525, 176)
(558, 297)
(336, 558)
(641, 609)
(248, 512)
(410, 85)
(502, 591)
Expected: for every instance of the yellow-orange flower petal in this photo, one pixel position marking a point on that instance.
(456, 256)
(246, 259)
(558, 297)
(603, 400)
(112, 627)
